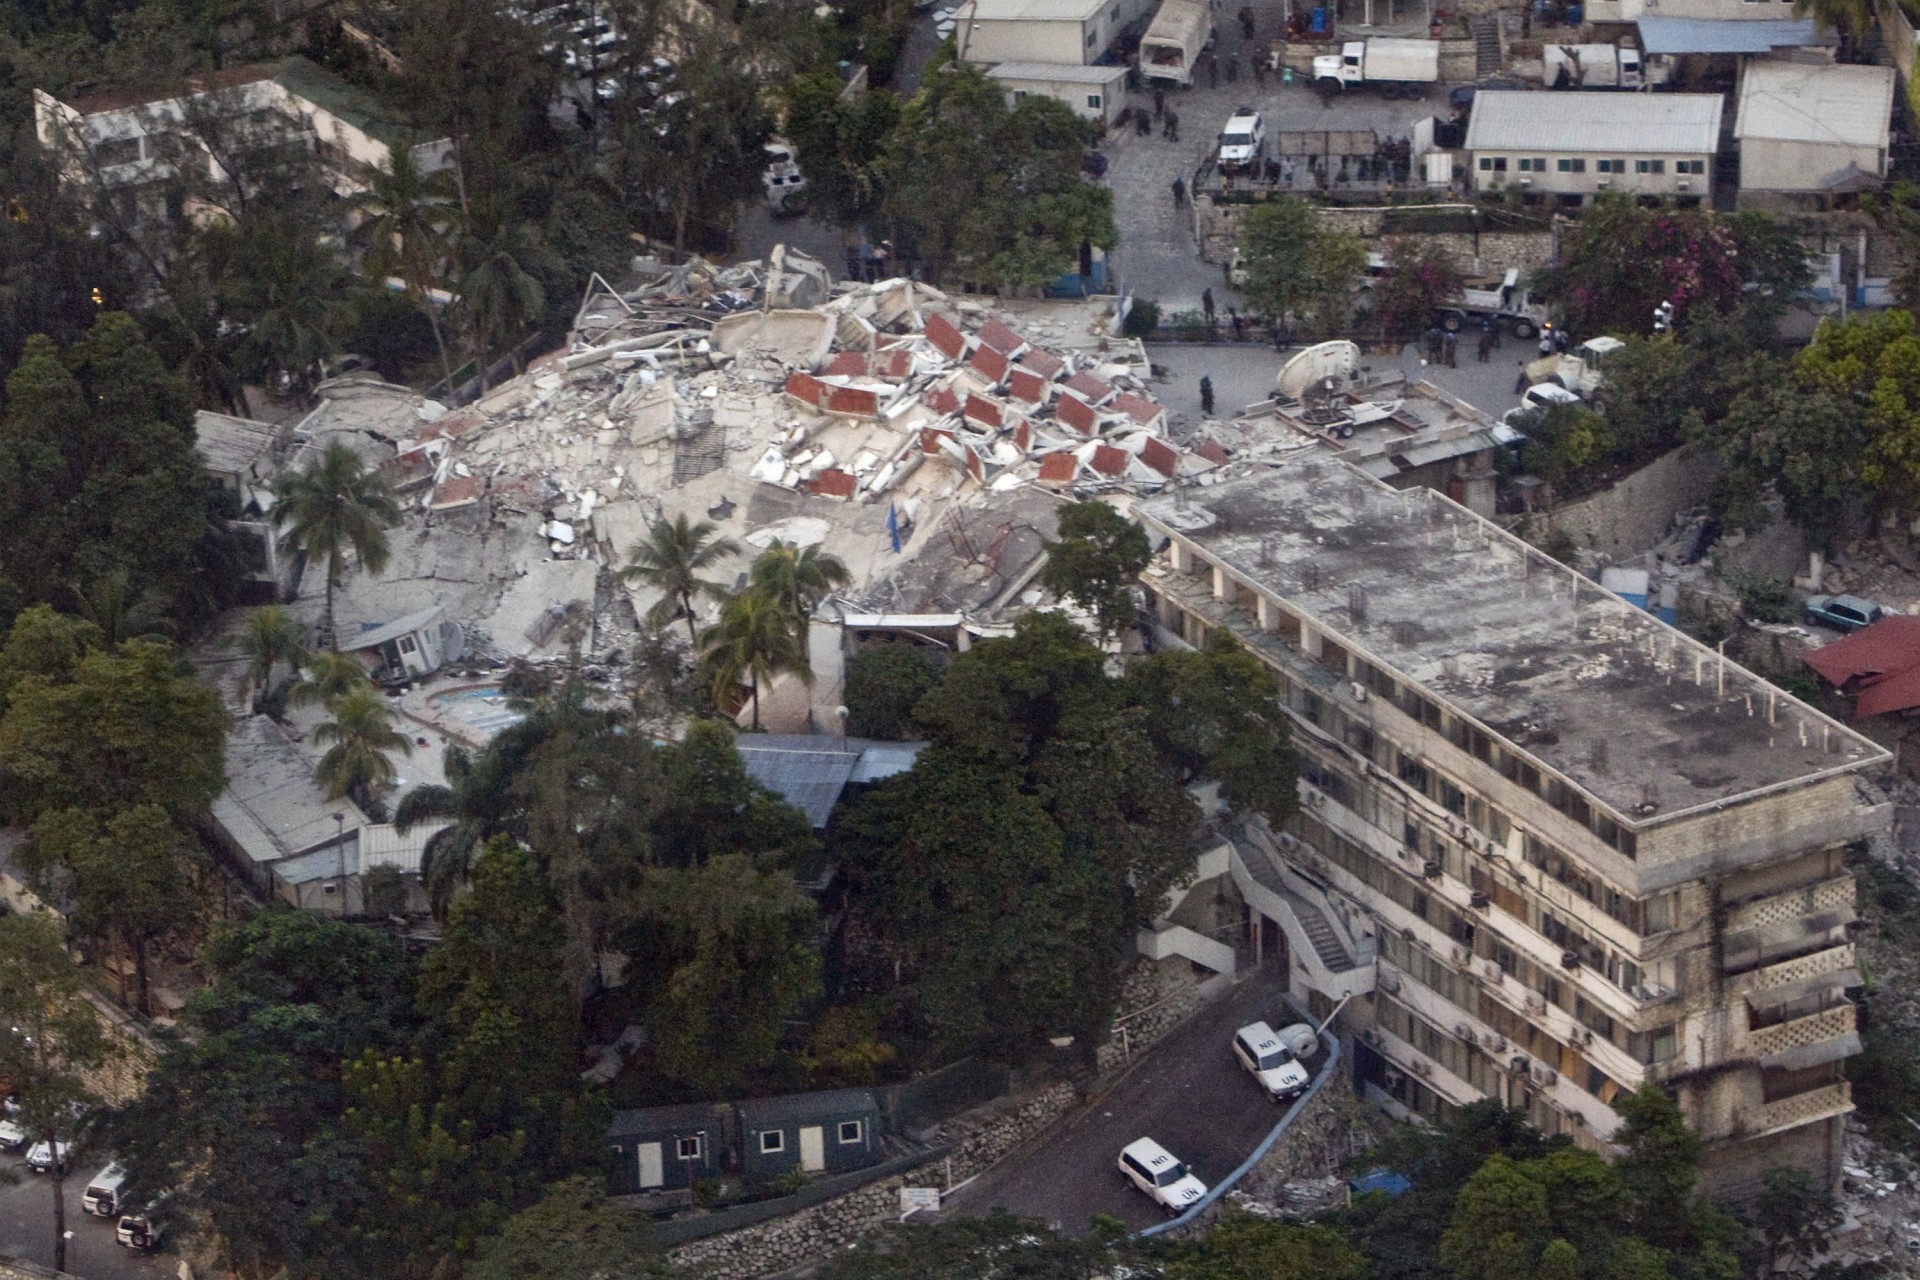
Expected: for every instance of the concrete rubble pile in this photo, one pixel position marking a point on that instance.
(767, 400)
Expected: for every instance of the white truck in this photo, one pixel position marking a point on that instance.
(1398, 67)
(1593, 66)
(1582, 370)
(1171, 48)
(1522, 311)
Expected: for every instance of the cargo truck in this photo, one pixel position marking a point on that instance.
(1173, 43)
(1397, 67)
(1521, 311)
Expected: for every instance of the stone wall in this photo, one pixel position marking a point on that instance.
(1488, 254)
(15, 1269)
(1154, 999)
(782, 1243)
(1635, 512)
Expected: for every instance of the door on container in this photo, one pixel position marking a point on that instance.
(652, 1168)
(813, 1149)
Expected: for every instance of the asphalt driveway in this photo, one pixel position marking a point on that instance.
(1187, 1093)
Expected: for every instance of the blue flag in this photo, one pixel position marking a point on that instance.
(893, 527)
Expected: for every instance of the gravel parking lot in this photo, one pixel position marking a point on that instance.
(1187, 1093)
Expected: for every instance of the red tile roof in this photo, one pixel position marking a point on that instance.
(1000, 338)
(990, 364)
(1076, 413)
(855, 402)
(1090, 389)
(930, 438)
(893, 364)
(122, 99)
(833, 483)
(1028, 387)
(409, 470)
(1059, 468)
(1109, 461)
(1044, 363)
(1213, 451)
(847, 364)
(949, 341)
(458, 491)
(806, 388)
(1159, 455)
(943, 400)
(1141, 410)
(1884, 658)
(983, 411)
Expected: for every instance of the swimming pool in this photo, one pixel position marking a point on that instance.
(479, 709)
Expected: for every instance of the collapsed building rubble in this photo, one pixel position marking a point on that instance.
(865, 419)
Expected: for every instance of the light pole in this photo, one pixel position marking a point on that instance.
(340, 853)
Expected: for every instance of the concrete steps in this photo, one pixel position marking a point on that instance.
(1486, 45)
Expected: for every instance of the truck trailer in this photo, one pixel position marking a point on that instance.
(1593, 66)
(1171, 48)
(1398, 67)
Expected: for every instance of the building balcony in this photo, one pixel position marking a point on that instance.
(1804, 1042)
(1802, 1108)
(1828, 898)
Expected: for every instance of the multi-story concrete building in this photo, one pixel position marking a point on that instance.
(1552, 848)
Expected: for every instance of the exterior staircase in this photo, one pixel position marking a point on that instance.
(1486, 45)
(1313, 922)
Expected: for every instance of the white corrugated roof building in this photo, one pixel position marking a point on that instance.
(1031, 10)
(1595, 123)
(1848, 106)
(1064, 72)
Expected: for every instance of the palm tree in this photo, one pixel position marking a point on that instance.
(331, 676)
(753, 639)
(479, 801)
(334, 506)
(670, 559)
(411, 219)
(270, 638)
(1854, 20)
(501, 294)
(289, 285)
(797, 579)
(358, 739)
(111, 605)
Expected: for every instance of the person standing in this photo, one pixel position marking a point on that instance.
(1159, 103)
(1179, 193)
(1546, 340)
(1173, 126)
(1451, 344)
(1486, 346)
(1520, 381)
(1206, 304)
(1206, 394)
(1238, 324)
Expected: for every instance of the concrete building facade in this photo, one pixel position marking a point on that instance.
(1075, 32)
(1808, 131)
(1572, 146)
(1094, 92)
(1553, 848)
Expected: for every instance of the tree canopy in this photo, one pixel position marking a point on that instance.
(1297, 266)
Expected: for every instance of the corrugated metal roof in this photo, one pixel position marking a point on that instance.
(762, 1113)
(272, 808)
(1796, 102)
(1593, 123)
(810, 771)
(229, 444)
(1728, 35)
(373, 637)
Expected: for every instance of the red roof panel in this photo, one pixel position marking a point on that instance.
(1159, 455)
(847, 364)
(806, 388)
(1027, 387)
(949, 341)
(1044, 363)
(1059, 468)
(1000, 338)
(990, 364)
(1109, 461)
(1140, 409)
(833, 483)
(1090, 389)
(1076, 413)
(983, 411)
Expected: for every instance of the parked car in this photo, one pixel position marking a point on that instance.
(1243, 142)
(12, 1136)
(1268, 1060)
(1843, 613)
(1161, 1178)
(143, 1228)
(44, 1157)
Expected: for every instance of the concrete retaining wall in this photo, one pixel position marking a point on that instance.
(1490, 253)
(1634, 513)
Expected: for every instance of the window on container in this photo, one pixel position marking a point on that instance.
(687, 1148)
(1093, 101)
(773, 1142)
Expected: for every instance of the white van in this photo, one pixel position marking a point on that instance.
(143, 1228)
(102, 1196)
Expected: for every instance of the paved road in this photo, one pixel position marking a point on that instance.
(1187, 1093)
(26, 1229)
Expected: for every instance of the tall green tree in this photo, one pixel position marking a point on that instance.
(884, 684)
(333, 507)
(1499, 1226)
(271, 639)
(1421, 275)
(572, 1233)
(753, 639)
(478, 801)
(1298, 266)
(1217, 714)
(502, 297)
(291, 294)
(671, 559)
(98, 477)
(797, 579)
(1874, 361)
(840, 139)
(981, 190)
(411, 220)
(55, 1045)
(359, 741)
(1096, 563)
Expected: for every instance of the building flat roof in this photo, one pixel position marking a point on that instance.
(126, 99)
(272, 807)
(350, 103)
(1062, 71)
(229, 444)
(1723, 35)
(1030, 10)
(1630, 710)
(1847, 106)
(1626, 123)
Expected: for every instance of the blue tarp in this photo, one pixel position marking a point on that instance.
(1385, 1181)
(1723, 35)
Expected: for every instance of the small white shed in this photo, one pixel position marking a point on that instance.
(1094, 93)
